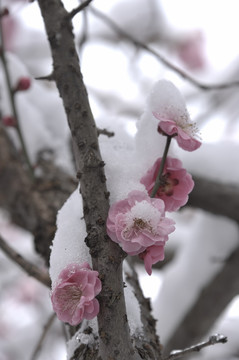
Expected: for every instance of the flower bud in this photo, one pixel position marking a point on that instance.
(23, 84)
(9, 121)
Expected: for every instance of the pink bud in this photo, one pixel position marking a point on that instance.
(9, 121)
(23, 84)
(4, 12)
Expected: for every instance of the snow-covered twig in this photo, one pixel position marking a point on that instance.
(28, 267)
(122, 33)
(213, 339)
(43, 336)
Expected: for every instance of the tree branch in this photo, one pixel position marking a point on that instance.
(32, 206)
(217, 198)
(122, 33)
(209, 305)
(213, 339)
(106, 256)
(28, 267)
(43, 336)
(79, 8)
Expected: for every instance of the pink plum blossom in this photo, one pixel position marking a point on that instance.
(191, 52)
(183, 131)
(73, 297)
(151, 256)
(138, 222)
(176, 183)
(168, 106)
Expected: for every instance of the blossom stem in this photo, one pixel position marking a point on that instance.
(159, 176)
(12, 101)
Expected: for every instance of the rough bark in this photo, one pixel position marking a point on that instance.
(114, 338)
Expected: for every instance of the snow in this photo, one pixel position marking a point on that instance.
(215, 160)
(83, 338)
(208, 241)
(118, 79)
(132, 304)
(68, 244)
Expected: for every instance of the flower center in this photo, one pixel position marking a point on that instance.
(167, 185)
(70, 296)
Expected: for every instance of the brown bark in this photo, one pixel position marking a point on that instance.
(114, 338)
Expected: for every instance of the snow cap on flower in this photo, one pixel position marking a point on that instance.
(138, 222)
(168, 106)
(152, 255)
(176, 183)
(73, 296)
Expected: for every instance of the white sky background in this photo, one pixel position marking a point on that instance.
(218, 19)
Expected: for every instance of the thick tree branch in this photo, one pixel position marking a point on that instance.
(106, 256)
(32, 206)
(215, 197)
(211, 302)
(28, 267)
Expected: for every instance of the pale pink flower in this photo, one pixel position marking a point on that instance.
(176, 183)
(138, 222)
(190, 50)
(168, 106)
(152, 255)
(181, 129)
(73, 297)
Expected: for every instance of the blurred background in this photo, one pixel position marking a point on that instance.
(192, 43)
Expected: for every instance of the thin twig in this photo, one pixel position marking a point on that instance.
(213, 339)
(105, 132)
(12, 101)
(158, 56)
(46, 77)
(43, 336)
(79, 8)
(28, 267)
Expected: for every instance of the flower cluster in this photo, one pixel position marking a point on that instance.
(138, 223)
(73, 297)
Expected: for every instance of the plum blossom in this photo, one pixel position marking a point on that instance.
(190, 50)
(168, 106)
(73, 296)
(152, 255)
(175, 185)
(138, 222)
